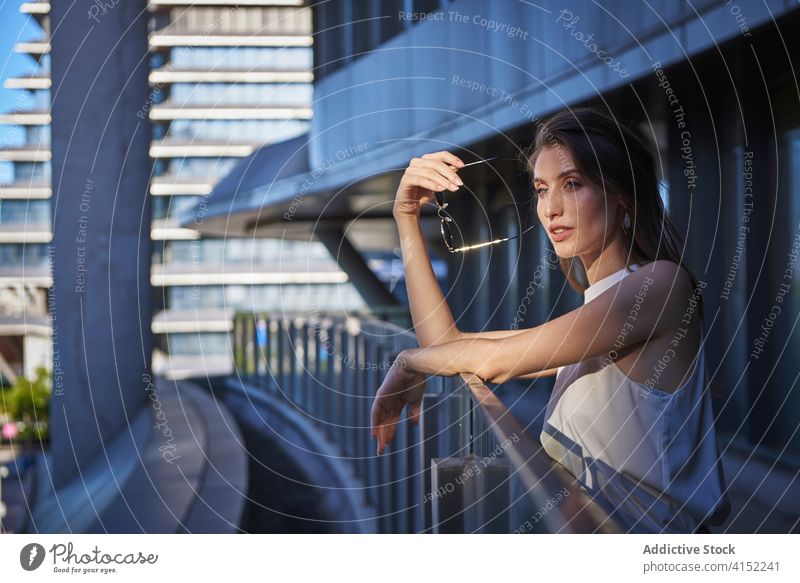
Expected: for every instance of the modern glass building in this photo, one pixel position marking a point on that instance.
(25, 215)
(227, 78)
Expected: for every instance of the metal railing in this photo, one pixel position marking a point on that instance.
(3, 509)
(469, 466)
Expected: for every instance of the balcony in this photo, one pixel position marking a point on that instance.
(173, 185)
(200, 149)
(25, 233)
(30, 82)
(26, 154)
(164, 230)
(168, 75)
(34, 48)
(34, 274)
(167, 39)
(155, 4)
(35, 8)
(192, 321)
(25, 190)
(210, 273)
(469, 466)
(168, 111)
(26, 118)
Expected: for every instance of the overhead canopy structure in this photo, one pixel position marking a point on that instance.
(275, 192)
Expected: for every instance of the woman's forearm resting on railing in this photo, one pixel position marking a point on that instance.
(608, 323)
(459, 356)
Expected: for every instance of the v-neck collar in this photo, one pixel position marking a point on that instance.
(602, 285)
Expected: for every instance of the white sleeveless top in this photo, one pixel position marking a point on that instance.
(649, 457)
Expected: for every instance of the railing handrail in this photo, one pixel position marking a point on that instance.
(540, 474)
(540, 477)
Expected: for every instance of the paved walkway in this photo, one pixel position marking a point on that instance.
(191, 479)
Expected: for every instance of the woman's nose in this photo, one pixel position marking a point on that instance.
(554, 207)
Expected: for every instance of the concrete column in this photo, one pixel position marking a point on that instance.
(101, 227)
(351, 262)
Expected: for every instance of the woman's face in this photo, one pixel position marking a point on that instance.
(590, 220)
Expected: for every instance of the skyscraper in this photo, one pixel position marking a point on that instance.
(25, 214)
(227, 78)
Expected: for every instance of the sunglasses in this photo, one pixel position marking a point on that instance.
(447, 220)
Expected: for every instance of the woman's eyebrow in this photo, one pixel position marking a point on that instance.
(562, 175)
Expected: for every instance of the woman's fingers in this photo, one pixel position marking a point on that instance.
(384, 424)
(381, 419)
(430, 173)
(446, 156)
(437, 166)
(414, 413)
(377, 415)
(386, 432)
(441, 182)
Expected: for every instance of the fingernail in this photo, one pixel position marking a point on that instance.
(459, 181)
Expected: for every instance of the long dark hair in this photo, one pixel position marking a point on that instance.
(615, 159)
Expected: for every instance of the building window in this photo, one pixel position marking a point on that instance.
(221, 94)
(29, 255)
(248, 58)
(240, 20)
(25, 212)
(262, 131)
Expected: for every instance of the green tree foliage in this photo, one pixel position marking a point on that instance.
(28, 401)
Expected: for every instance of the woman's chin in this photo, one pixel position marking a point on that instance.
(564, 250)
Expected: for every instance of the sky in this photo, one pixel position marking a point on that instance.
(14, 27)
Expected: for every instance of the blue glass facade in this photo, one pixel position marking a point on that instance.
(25, 208)
(248, 58)
(248, 80)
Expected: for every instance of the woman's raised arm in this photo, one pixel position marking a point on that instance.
(433, 320)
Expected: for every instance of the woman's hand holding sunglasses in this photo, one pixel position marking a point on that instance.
(425, 176)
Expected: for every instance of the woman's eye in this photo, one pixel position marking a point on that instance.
(572, 185)
(541, 192)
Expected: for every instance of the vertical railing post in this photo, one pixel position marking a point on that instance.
(370, 381)
(315, 390)
(349, 400)
(295, 357)
(284, 355)
(336, 380)
(364, 386)
(260, 349)
(409, 469)
(272, 356)
(321, 373)
(248, 345)
(3, 509)
(238, 345)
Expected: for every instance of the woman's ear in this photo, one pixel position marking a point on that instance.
(623, 208)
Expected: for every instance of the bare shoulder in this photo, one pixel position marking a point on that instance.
(666, 272)
(672, 281)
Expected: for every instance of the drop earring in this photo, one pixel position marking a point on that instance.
(626, 221)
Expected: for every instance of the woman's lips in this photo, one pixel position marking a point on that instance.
(560, 236)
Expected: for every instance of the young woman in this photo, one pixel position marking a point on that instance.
(630, 415)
